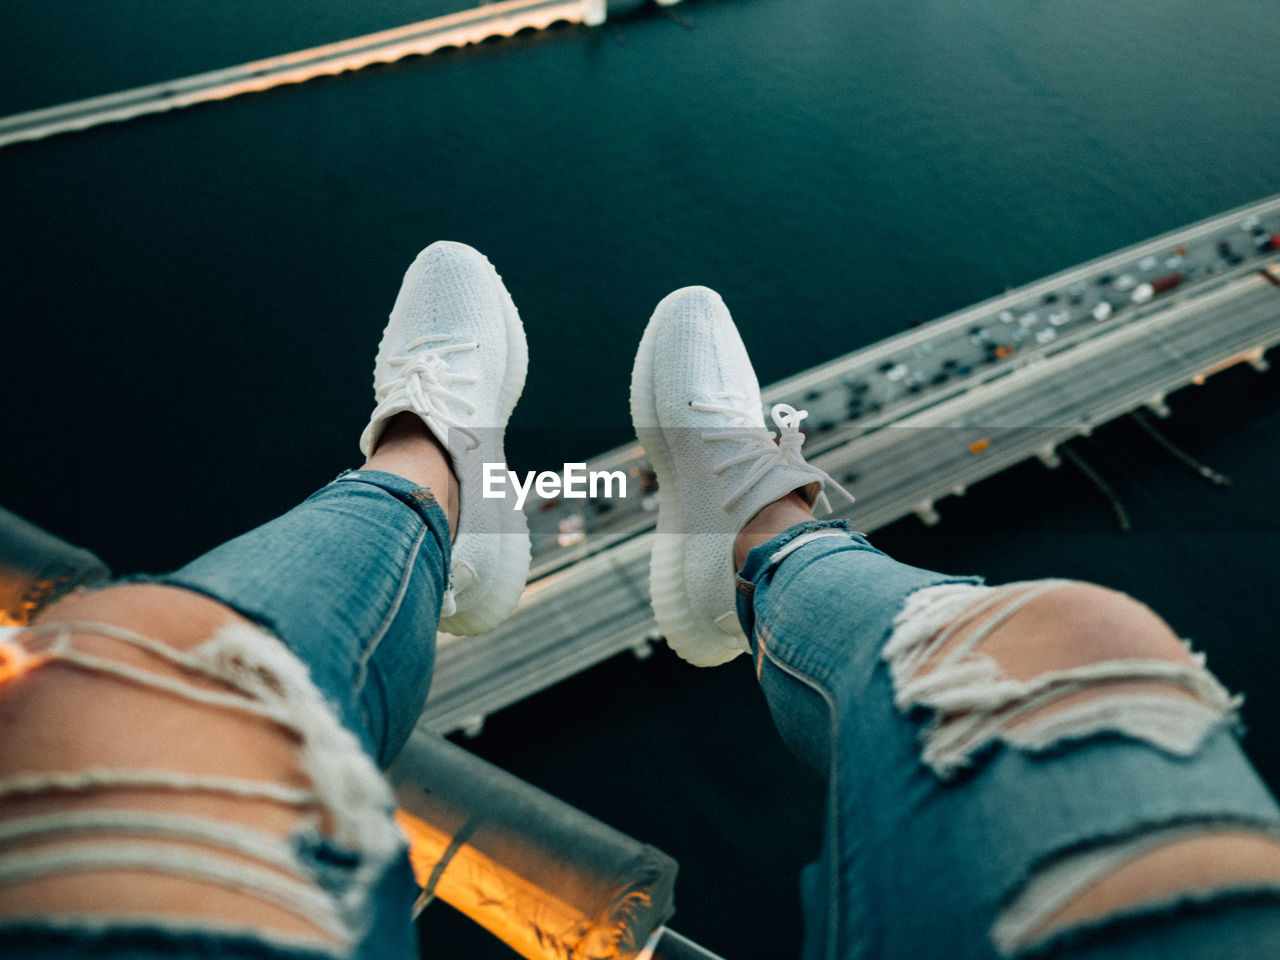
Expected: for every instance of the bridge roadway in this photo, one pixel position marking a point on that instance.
(455, 29)
(901, 441)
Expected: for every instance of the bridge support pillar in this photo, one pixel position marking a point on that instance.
(1157, 406)
(1259, 362)
(928, 514)
(1049, 457)
(594, 12)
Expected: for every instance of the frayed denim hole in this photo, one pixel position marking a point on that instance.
(259, 620)
(972, 703)
(1105, 932)
(332, 866)
(1058, 880)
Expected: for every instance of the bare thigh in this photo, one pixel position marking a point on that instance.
(81, 741)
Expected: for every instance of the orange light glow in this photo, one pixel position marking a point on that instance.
(21, 597)
(530, 920)
(16, 661)
(980, 445)
(1248, 356)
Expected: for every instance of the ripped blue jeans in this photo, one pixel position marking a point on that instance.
(952, 831)
(345, 591)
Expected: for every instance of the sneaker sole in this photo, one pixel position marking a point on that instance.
(492, 603)
(686, 629)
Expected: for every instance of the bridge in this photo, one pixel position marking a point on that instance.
(456, 29)
(904, 424)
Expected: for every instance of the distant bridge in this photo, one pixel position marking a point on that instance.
(905, 423)
(453, 30)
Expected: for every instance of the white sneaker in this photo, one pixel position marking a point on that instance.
(454, 353)
(695, 404)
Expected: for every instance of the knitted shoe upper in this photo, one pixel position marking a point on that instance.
(453, 353)
(696, 408)
(443, 353)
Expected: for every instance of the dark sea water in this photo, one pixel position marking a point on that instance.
(190, 305)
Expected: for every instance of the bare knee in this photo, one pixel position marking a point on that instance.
(1039, 626)
(1044, 661)
(1071, 625)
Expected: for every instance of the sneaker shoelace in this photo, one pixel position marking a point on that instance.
(422, 380)
(760, 446)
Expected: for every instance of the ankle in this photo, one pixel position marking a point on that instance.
(408, 449)
(779, 516)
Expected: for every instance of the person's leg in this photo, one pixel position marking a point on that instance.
(1005, 764)
(189, 762)
(152, 699)
(351, 580)
(1011, 770)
